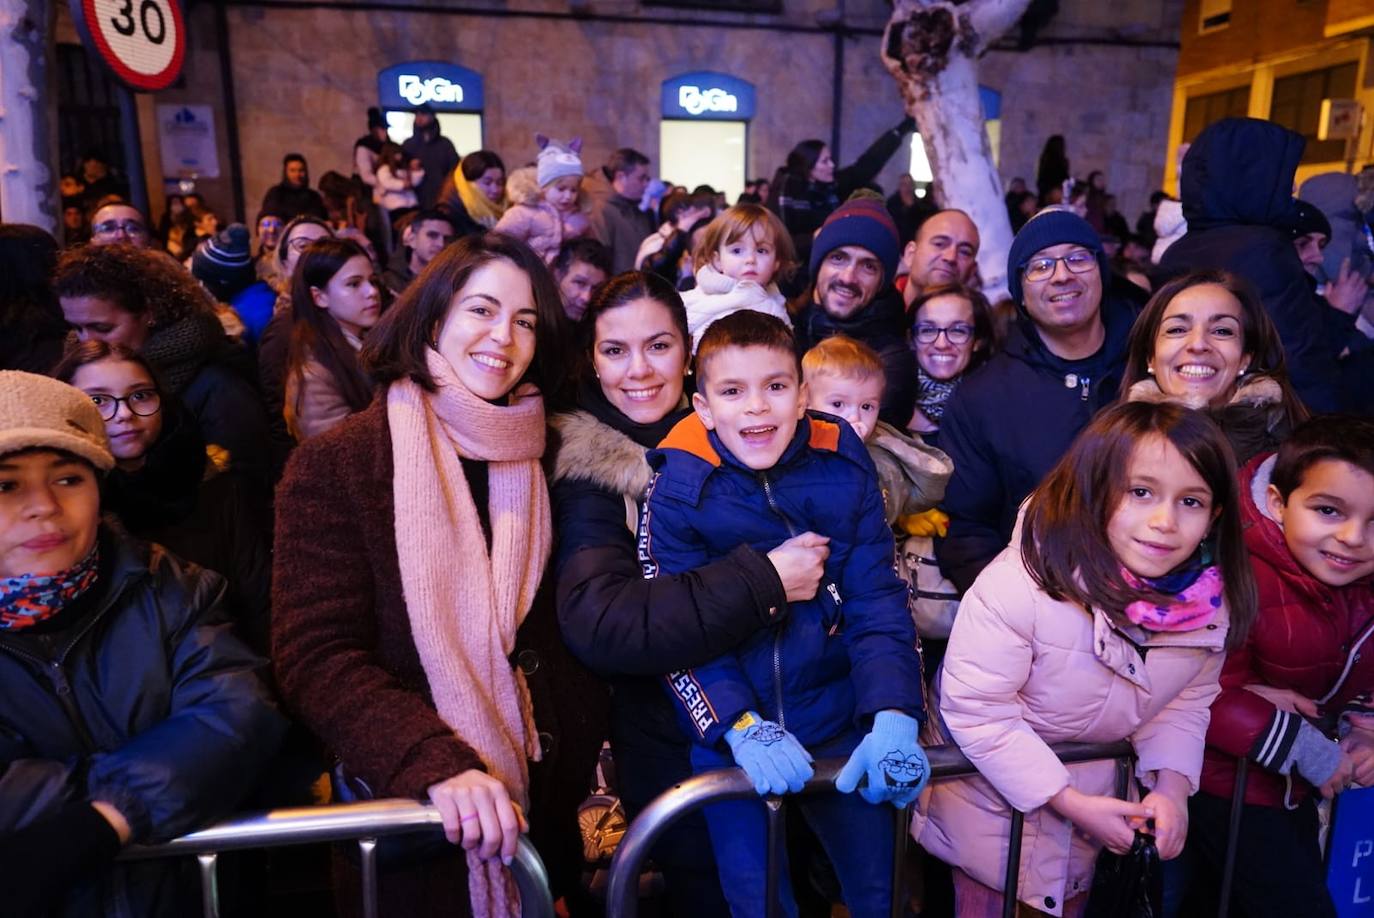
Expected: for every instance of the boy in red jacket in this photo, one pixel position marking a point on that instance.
(1297, 698)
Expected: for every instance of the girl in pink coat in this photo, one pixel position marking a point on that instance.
(544, 211)
(1104, 620)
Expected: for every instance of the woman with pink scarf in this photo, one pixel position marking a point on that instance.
(410, 631)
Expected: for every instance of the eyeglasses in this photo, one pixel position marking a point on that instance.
(128, 227)
(956, 334)
(1079, 262)
(142, 402)
(301, 243)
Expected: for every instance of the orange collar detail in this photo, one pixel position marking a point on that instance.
(824, 435)
(690, 436)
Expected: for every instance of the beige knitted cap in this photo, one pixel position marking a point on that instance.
(39, 411)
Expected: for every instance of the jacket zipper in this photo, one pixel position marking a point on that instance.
(57, 675)
(777, 631)
(1086, 382)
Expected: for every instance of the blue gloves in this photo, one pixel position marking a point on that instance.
(896, 766)
(769, 755)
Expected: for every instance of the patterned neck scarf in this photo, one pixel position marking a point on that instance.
(29, 599)
(1196, 595)
(933, 393)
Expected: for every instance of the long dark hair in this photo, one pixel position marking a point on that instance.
(1062, 542)
(797, 170)
(622, 290)
(1259, 339)
(396, 347)
(28, 256)
(315, 334)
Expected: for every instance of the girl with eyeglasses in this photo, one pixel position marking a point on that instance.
(167, 487)
(953, 333)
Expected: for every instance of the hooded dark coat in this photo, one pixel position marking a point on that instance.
(1237, 197)
(290, 201)
(1008, 424)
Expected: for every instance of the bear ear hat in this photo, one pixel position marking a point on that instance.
(575, 145)
(541, 140)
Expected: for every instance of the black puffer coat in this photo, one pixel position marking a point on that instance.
(632, 631)
(147, 700)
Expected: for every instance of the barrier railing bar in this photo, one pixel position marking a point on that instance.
(1228, 867)
(367, 861)
(364, 821)
(1012, 882)
(731, 784)
(209, 884)
(776, 839)
(902, 828)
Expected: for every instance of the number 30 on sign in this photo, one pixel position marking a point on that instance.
(142, 41)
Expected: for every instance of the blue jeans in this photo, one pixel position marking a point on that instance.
(857, 836)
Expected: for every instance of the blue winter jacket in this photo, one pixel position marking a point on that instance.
(836, 660)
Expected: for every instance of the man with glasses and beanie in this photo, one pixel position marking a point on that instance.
(116, 220)
(1063, 359)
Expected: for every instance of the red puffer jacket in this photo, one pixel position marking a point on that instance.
(1311, 638)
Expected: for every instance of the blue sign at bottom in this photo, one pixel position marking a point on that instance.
(1351, 874)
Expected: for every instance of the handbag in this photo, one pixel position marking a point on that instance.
(1129, 885)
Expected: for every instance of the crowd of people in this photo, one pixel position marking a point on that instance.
(440, 479)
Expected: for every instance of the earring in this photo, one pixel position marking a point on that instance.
(1150, 370)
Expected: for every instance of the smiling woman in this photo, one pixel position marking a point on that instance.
(1205, 340)
(411, 543)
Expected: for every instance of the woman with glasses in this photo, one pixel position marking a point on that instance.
(166, 487)
(953, 332)
(143, 300)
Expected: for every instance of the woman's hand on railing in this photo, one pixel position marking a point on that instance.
(1110, 821)
(478, 814)
(1169, 800)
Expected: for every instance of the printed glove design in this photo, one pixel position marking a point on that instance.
(892, 759)
(769, 755)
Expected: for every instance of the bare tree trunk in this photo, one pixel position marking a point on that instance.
(931, 48)
(28, 148)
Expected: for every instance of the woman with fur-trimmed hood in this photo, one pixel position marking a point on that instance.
(1205, 341)
(629, 630)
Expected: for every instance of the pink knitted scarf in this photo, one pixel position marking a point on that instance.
(465, 603)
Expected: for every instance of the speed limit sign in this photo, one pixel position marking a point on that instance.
(142, 41)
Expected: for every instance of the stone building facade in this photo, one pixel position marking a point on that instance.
(303, 76)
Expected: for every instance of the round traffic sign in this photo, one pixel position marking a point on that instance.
(142, 41)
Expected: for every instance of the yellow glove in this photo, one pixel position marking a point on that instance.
(932, 522)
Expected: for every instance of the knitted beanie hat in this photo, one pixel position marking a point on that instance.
(224, 262)
(866, 224)
(39, 412)
(1048, 228)
(555, 161)
(1310, 219)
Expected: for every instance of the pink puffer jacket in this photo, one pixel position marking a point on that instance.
(1023, 672)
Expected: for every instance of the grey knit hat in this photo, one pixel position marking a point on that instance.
(39, 412)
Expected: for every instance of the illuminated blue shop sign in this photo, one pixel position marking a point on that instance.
(703, 95)
(444, 87)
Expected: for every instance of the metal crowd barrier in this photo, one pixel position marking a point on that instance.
(364, 822)
(622, 896)
(731, 784)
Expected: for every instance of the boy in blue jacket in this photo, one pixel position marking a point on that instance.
(840, 673)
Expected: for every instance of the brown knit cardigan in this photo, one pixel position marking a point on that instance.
(345, 658)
